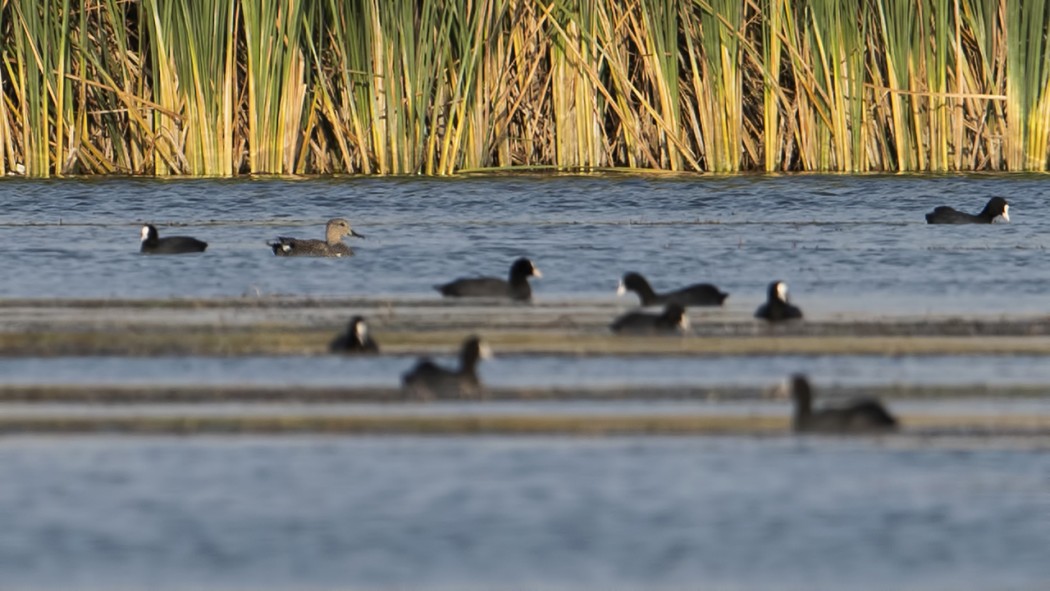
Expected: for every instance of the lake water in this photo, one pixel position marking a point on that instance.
(449, 514)
(853, 243)
(733, 514)
(542, 371)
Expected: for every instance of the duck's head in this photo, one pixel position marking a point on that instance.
(339, 227)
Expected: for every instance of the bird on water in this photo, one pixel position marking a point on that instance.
(152, 243)
(331, 246)
(698, 294)
(355, 340)
(860, 415)
(669, 322)
(428, 380)
(777, 308)
(515, 287)
(997, 209)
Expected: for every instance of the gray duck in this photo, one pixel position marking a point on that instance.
(331, 246)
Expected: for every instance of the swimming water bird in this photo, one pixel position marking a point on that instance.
(860, 415)
(429, 380)
(515, 287)
(996, 209)
(152, 243)
(671, 321)
(331, 246)
(777, 308)
(698, 294)
(355, 340)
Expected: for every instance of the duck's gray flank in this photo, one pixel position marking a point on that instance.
(331, 246)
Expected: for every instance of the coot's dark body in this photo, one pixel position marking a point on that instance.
(429, 380)
(671, 321)
(152, 243)
(515, 287)
(699, 294)
(777, 308)
(861, 415)
(997, 208)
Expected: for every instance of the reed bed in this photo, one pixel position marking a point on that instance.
(227, 87)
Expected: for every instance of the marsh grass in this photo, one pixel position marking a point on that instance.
(222, 87)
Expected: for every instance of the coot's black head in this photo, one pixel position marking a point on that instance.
(149, 233)
(523, 268)
(473, 350)
(674, 314)
(997, 207)
(801, 393)
(633, 282)
(778, 291)
(358, 329)
(800, 388)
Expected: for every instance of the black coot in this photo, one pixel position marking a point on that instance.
(777, 308)
(698, 294)
(355, 340)
(997, 208)
(671, 321)
(154, 244)
(515, 287)
(331, 246)
(429, 380)
(862, 415)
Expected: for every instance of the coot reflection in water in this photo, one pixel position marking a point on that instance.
(446, 513)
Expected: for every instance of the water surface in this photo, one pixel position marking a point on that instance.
(539, 371)
(715, 513)
(736, 514)
(843, 242)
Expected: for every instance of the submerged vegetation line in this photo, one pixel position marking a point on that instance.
(227, 87)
